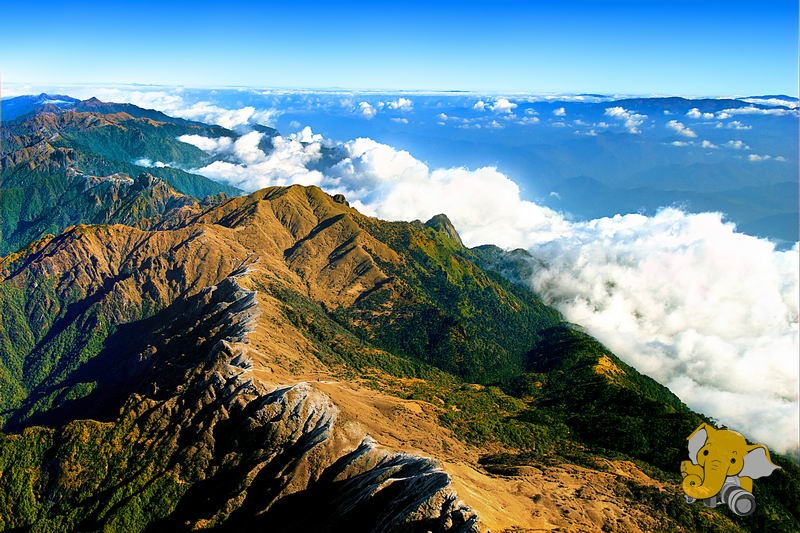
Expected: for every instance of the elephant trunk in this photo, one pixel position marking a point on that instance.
(715, 473)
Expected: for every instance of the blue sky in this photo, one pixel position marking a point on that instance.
(633, 47)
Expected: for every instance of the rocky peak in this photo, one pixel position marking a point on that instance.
(145, 181)
(441, 223)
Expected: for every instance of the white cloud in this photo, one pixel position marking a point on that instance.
(790, 102)
(306, 135)
(680, 143)
(480, 105)
(145, 162)
(722, 115)
(366, 110)
(503, 105)
(681, 129)
(736, 145)
(758, 158)
(400, 120)
(696, 114)
(560, 112)
(708, 144)
(736, 125)
(631, 120)
(528, 120)
(227, 118)
(708, 312)
(249, 168)
(213, 146)
(484, 204)
(401, 104)
(752, 110)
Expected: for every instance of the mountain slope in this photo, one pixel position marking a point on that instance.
(209, 446)
(226, 370)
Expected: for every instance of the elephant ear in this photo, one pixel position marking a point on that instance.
(757, 463)
(696, 441)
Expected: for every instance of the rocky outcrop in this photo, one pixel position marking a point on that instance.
(442, 223)
(243, 455)
(340, 199)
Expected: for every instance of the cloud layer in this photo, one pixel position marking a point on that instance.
(706, 311)
(681, 129)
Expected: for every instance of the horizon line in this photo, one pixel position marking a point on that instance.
(383, 91)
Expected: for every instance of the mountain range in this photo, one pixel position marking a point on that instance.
(175, 355)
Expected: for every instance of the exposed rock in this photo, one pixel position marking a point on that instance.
(442, 223)
(340, 199)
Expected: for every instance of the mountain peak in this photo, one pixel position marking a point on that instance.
(441, 223)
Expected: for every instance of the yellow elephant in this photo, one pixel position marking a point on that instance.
(722, 467)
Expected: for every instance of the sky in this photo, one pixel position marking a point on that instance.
(633, 47)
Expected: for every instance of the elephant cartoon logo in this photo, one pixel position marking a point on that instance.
(722, 468)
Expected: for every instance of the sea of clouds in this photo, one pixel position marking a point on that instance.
(708, 312)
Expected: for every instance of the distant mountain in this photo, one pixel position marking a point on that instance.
(768, 210)
(682, 105)
(777, 97)
(78, 164)
(12, 108)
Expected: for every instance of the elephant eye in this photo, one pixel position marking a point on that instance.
(733, 460)
(705, 452)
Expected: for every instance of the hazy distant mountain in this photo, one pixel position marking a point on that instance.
(12, 108)
(768, 211)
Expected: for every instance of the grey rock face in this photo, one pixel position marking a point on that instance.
(256, 459)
